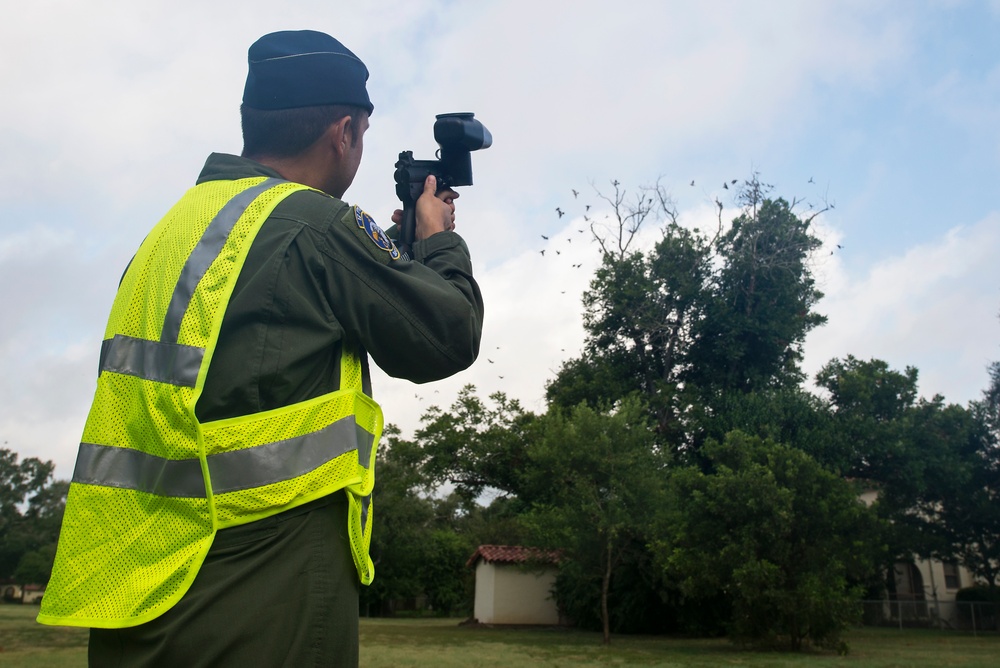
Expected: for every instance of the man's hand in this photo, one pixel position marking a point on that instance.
(435, 212)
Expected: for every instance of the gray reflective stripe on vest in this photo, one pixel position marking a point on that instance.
(232, 471)
(131, 469)
(166, 361)
(284, 460)
(204, 254)
(152, 360)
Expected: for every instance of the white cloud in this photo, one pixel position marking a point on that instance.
(110, 108)
(934, 307)
(533, 323)
(45, 411)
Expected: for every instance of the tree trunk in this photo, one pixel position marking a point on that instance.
(605, 586)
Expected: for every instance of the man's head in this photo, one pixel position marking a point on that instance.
(305, 96)
(304, 68)
(286, 133)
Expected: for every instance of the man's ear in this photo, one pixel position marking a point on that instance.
(340, 135)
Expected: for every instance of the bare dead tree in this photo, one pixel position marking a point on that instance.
(628, 215)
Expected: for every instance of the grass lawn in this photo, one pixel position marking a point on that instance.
(442, 643)
(24, 642)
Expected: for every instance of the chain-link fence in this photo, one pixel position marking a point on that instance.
(951, 615)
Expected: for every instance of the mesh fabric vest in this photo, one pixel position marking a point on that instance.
(152, 484)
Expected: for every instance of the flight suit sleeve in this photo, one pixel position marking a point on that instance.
(419, 319)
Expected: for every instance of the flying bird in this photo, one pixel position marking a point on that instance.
(560, 212)
(542, 252)
(692, 181)
(545, 237)
(810, 180)
(575, 193)
(725, 185)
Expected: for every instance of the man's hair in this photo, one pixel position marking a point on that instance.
(286, 133)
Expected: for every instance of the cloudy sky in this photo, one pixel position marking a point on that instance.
(888, 110)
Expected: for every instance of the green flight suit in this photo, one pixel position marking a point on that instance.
(284, 591)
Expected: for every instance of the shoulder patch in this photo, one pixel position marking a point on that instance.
(375, 233)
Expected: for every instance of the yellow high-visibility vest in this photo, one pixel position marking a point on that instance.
(152, 484)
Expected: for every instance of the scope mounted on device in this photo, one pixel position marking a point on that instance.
(458, 134)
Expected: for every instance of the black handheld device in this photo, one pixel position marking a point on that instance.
(457, 134)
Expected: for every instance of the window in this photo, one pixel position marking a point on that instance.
(952, 578)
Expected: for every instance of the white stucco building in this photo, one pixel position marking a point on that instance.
(924, 590)
(514, 585)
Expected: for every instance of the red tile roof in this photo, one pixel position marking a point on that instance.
(512, 554)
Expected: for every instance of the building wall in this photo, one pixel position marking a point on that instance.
(934, 586)
(482, 608)
(15, 593)
(509, 594)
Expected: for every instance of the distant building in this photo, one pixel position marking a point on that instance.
(924, 591)
(514, 585)
(17, 593)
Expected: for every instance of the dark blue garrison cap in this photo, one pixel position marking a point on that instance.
(304, 68)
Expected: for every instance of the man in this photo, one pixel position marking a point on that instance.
(220, 513)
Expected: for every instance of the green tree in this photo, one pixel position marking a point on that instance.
(36, 566)
(965, 514)
(42, 522)
(403, 520)
(698, 315)
(761, 299)
(991, 402)
(446, 580)
(869, 402)
(933, 464)
(597, 476)
(423, 539)
(475, 446)
(967, 520)
(29, 533)
(785, 541)
(788, 415)
(639, 312)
